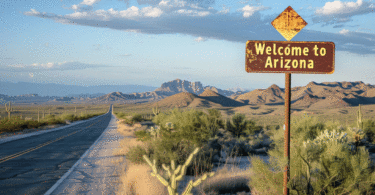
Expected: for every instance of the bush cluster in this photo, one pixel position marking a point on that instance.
(182, 131)
(322, 162)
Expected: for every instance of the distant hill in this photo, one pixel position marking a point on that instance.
(215, 97)
(272, 95)
(179, 100)
(51, 89)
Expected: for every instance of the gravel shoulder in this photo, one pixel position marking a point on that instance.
(95, 172)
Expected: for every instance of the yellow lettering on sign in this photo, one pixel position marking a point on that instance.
(268, 62)
(280, 51)
(295, 63)
(305, 51)
(259, 48)
(311, 64)
(273, 63)
(268, 50)
(287, 63)
(287, 51)
(323, 51)
(295, 50)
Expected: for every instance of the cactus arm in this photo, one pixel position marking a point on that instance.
(187, 163)
(155, 174)
(188, 188)
(177, 170)
(196, 183)
(167, 169)
(173, 181)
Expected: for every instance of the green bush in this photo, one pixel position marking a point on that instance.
(241, 127)
(135, 154)
(70, 117)
(369, 129)
(324, 164)
(213, 121)
(187, 130)
(137, 118)
(142, 135)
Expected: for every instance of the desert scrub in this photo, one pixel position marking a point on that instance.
(241, 127)
(142, 135)
(323, 164)
(136, 118)
(181, 132)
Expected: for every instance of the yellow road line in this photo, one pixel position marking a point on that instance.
(39, 146)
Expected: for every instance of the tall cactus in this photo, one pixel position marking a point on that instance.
(156, 110)
(359, 118)
(8, 109)
(172, 184)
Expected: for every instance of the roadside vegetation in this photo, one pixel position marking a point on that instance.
(327, 158)
(16, 124)
(19, 118)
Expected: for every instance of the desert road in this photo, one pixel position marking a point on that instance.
(32, 165)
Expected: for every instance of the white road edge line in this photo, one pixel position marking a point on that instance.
(53, 188)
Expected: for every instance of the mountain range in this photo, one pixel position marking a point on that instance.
(167, 89)
(181, 93)
(178, 93)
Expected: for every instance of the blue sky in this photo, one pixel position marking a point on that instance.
(148, 42)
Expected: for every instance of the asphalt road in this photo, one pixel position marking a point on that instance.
(34, 164)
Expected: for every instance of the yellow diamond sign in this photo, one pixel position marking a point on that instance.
(289, 23)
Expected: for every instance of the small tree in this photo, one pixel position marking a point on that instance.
(239, 126)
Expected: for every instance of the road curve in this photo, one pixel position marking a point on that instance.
(32, 165)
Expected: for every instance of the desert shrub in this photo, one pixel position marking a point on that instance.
(181, 132)
(120, 115)
(213, 121)
(135, 154)
(241, 127)
(142, 135)
(137, 118)
(70, 117)
(324, 164)
(369, 129)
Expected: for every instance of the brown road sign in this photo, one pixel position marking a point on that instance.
(290, 57)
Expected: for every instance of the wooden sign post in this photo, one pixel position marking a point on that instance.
(289, 57)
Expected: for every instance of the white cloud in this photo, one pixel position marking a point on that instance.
(49, 66)
(193, 12)
(152, 12)
(89, 2)
(32, 12)
(338, 7)
(130, 13)
(344, 31)
(200, 39)
(250, 10)
(74, 7)
(341, 12)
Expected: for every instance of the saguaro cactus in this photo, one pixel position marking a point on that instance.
(156, 111)
(172, 184)
(8, 109)
(359, 118)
